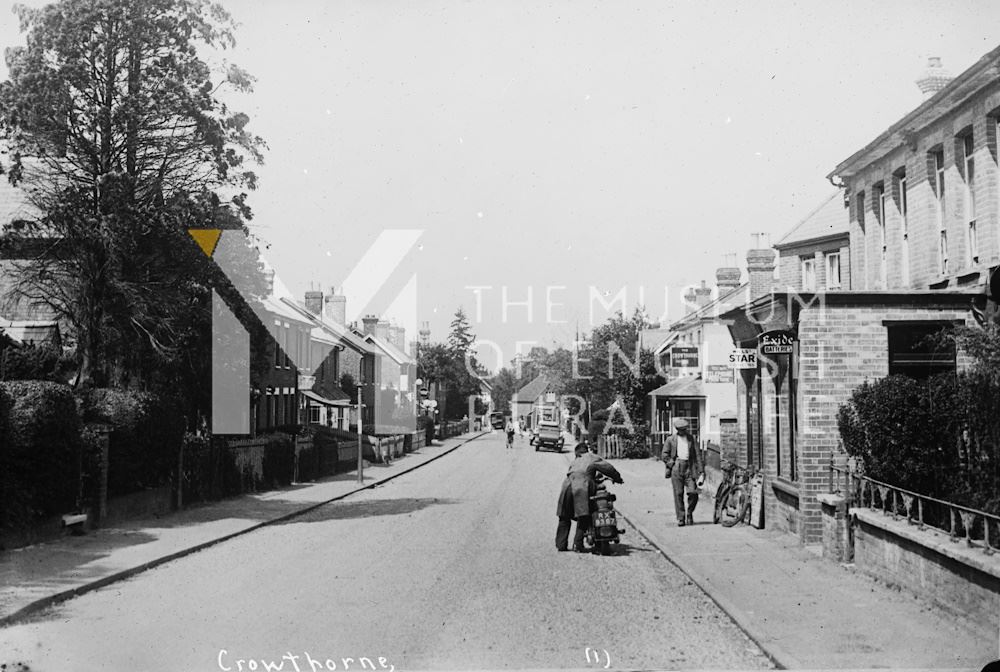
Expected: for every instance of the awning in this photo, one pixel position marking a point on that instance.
(309, 394)
(688, 386)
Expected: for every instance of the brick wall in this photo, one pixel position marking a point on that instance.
(729, 436)
(839, 348)
(922, 214)
(960, 579)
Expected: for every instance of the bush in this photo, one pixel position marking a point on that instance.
(35, 362)
(279, 461)
(147, 434)
(39, 451)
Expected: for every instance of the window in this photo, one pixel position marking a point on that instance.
(860, 204)
(833, 270)
(808, 274)
(937, 181)
(969, 170)
(277, 344)
(915, 351)
(286, 344)
(880, 202)
(904, 231)
(314, 414)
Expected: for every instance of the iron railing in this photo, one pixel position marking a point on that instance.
(979, 528)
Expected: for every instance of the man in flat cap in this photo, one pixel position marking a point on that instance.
(684, 469)
(574, 497)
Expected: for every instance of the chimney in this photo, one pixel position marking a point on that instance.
(760, 268)
(382, 330)
(934, 78)
(690, 301)
(336, 307)
(397, 336)
(269, 280)
(414, 349)
(703, 295)
(370, 322)
(314, 301)
(727, 278)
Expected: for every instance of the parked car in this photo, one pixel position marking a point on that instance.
(497, 420)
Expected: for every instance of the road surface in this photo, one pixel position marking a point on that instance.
(452, 566)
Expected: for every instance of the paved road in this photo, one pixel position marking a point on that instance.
(450, 567)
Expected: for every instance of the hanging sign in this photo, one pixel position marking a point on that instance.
(776, 342)
(743, 358)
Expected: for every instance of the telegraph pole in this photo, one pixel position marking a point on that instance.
(361, 464)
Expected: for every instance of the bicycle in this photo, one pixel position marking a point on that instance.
(732, 499)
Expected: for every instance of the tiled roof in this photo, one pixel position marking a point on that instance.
(688, 386)
(340, 334)
(830, 218)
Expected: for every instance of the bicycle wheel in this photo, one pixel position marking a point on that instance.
(735, 506)
(720, 497)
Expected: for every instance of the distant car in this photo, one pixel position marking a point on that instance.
(549, 435)
(496, 420)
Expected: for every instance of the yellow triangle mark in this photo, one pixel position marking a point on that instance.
(207, 239)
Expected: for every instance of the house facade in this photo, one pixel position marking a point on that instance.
(918, 212)
(694, 357)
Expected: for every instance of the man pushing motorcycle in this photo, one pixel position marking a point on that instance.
(574, 497)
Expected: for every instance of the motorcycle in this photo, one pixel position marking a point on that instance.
(604, 529)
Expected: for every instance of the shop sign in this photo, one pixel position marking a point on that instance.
(718, 373)
(743, 358)
(684, 357)
(776, 343)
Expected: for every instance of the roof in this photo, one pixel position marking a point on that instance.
(712, 310)
(530, 392)
(390, 349)
(688, 386)
(958, 91)
(325, 401)
(279, 307)
(829, 219)
(31, 331)
(340, 334)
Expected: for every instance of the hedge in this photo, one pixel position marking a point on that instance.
(145, 440)
(40, 454)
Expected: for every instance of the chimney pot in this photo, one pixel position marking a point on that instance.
(934, 78)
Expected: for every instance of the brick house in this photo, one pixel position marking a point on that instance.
(398, 374)
(817, 337)
(335, 350)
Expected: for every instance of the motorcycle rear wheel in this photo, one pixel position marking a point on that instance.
(735, 505)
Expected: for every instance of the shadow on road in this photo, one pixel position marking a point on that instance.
(367, 509)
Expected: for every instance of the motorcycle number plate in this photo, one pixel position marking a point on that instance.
(604, 518)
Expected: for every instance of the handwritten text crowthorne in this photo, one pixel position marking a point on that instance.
(299, 663)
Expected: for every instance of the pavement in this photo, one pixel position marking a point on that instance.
(35, 577)
(804, 611)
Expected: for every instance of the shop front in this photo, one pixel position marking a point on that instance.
(809, 352)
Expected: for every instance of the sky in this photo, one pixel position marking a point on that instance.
(561, 150)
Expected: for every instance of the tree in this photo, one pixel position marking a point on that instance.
(461, 338)
(118, 129)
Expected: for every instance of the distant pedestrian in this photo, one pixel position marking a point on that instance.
(510, 433)
(685, 470)
(574, 497)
